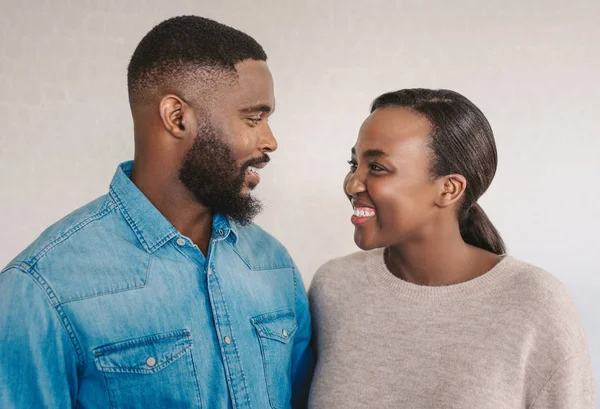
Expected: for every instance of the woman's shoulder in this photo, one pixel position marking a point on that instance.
(546, 303)
(351, 261)
(341, 272)
(536, 283)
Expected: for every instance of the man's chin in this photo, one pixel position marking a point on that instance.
(247, 189)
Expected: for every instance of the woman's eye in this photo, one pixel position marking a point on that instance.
(376, 168)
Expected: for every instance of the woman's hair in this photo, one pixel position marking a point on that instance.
(462, 142)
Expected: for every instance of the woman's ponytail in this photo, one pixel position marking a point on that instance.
(477, 230)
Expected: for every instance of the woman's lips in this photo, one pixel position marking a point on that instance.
(362, 214)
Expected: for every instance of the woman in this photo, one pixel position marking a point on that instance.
(433, 314)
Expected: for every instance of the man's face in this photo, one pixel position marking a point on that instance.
(222, 166)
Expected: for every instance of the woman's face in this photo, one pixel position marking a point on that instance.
(389, 183)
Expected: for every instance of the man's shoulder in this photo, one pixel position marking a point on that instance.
(260, 249)
(74, 224)
(83, 254)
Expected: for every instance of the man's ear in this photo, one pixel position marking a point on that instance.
(451, 189)
(176, 116)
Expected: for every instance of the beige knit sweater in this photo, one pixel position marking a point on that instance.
(510, 338)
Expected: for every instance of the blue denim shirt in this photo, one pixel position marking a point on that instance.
(113, 308)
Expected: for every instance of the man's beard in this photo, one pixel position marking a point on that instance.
(210, 172)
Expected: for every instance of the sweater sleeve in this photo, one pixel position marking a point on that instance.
(570, 386)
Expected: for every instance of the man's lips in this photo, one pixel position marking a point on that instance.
(252, 170)
(260, 165)
(252, 176)
(253, 173)
(259, 162)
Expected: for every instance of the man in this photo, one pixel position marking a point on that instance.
(163, 294)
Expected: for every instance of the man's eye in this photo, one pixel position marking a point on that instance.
(352, 164)
(255, 121)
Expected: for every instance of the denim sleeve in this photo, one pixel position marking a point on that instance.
(38, 363)
(303, 362)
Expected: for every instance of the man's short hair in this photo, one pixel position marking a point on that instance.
(179, 46)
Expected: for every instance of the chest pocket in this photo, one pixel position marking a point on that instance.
(153, 371)
(275, 333)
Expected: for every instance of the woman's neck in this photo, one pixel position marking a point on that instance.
(438, 259)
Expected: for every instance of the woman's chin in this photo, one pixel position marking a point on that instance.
(363, 242)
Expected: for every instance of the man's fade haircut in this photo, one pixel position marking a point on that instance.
(185, 45)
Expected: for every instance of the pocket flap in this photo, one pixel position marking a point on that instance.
(148, 354)
(279, 326)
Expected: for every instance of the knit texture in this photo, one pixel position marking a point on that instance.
(510, 338)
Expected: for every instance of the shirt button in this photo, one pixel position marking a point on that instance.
(209, 272)
(151, 361)
(285, 334)
(227, 340)
(181, 241)
(220, 232)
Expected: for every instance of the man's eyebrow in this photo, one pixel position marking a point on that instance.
(371, 153)
(258, 108)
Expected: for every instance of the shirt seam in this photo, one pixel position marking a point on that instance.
(57, 308)
(119, 290)
(71, 231)
(289, 264)
(295, 288)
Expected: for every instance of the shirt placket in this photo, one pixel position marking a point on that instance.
(238, 390)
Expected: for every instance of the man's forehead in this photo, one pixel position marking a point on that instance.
(253, 90)
(248, 90)
(253, 69)
(248, 103)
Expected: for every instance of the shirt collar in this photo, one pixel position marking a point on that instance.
(223, 228)
(150, 226)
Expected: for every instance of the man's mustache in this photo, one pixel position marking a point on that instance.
(256, 161)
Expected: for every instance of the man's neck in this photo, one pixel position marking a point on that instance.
(175, 203)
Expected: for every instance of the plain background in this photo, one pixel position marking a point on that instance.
(532, 67)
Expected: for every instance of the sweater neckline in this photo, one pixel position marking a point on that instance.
(378, 273)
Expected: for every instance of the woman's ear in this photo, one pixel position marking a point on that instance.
(451, 190)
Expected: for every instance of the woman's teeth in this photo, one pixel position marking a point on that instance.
(364, 212)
